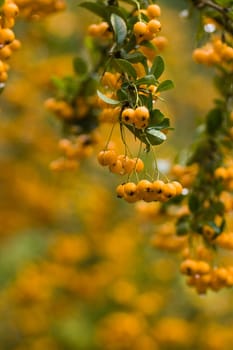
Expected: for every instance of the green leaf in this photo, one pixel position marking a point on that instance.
(119, 28)
(146, 80)
(80, 66)
(97, 8)
(165, 124)
(165, 85)
(106, 99)
(146, 138)
(156, 117)
(183, 225)
(155, 136)
(126, 67)
(194, 203)
(2, 3)
(214, 120)
(137, 57)
(157, 67)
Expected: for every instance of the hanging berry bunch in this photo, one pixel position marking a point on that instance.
(125, 72)
(9, 11)
(76, 107)
(8, 44)
(36, 9)
(129, 89)
(202, 215)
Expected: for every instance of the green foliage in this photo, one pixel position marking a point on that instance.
(157, 67)
(80, 66)
(119, 28)
(214, 121)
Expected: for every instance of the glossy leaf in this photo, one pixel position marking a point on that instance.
(146, 80)
(119, 28)
(97, 8)
(107, 99)
(165, 85)
(126, 67)
(156, 117)
(155, 136)
(157, 67)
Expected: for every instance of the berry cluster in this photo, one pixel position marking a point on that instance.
(202, 276)
(148, 191)
(8, 13)
(60, 107)
(146, 30)
(225, 174)
(138, 117)
(120, 164)
(8, 43)
(215, 52)
(74, 150)
(40, 8)
(100, 31)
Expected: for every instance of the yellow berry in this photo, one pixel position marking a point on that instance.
(154, 26)
(117, 167)
(169, 190)
(10, 10)
(128, 115)
(107, 157)
(153, 11)
(120, 191)
(178, 187)
(140, 29)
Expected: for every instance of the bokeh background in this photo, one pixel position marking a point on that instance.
(78, 270)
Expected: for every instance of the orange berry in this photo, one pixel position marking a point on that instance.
(117, 167)
(93, 30)
(10, 10)
(158, 186)
(188, 267)
(169, 190)
(160, 42)
(221, 173)
(5, 53)
(120, 191)
(153, 11)
(144, 187)
(139, 165)
(142, 116)
(64, 144)
(128, 115)
(154, 26)
(128, 164)
(178, 187)
(142, 113)
(103, 27)
(130, 188)
(202, 267)
(6, 36)
(131, 192)
(201, 56)
(140, 29)
(107, 157)
(15, 45)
